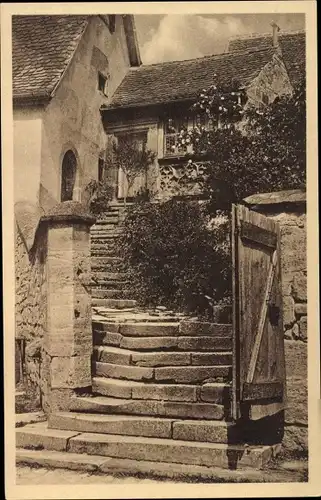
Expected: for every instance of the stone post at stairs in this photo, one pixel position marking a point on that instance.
(67, 345)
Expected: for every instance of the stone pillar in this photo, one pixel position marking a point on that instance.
(67, 346)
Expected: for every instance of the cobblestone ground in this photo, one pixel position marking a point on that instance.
(31, 475)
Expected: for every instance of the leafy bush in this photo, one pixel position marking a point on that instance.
(176, 256)
(101, 193)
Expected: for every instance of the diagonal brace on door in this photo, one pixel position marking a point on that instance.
(263, 313)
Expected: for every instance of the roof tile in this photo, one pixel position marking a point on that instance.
(292, 45)
(170, 81)
(42, 47)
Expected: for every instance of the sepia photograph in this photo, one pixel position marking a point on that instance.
(159, 246)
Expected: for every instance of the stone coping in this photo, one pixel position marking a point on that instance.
(277, 197)
(69, 211)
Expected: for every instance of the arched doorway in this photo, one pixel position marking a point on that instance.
(68, 176)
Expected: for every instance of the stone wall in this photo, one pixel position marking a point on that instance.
(30, 305)
(53, 306)
(288, 208)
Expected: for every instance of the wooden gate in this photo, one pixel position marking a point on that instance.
(258, 386)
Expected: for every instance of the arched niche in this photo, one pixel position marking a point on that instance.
(68, 176)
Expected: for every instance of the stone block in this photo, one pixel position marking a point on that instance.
(105, 326)
(297, 401)
(123, 372)
(149, 329)
(299, 287)
(194, 410)
(205, 343)
(288, 311)
(212, 358)
(113, 387)
(112, 424)
(303, 328)
(215, 393)
(160, 359)
(296, 359)
(295, 440)
(148, 343)
(300, 309)
(192, 374)
(70, 372)
(112, 355)
(38, 436)
(195, 328)
(107, 338)
(167, 450)
(164, 392)
(210, 432)
(59, 460)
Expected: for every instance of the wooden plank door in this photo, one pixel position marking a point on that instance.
(258, 386)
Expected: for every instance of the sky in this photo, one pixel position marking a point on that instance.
(177, 37)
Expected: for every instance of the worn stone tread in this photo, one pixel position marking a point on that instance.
(170, 450)
(102, 336)
(129, 425)
(111, 354)
(30, 418)
(110, 405)
(162, 392)
(122, 371)
(38, 436)
(59, 460)
(174, 471)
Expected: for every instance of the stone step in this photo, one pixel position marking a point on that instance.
(101, 283)
(111, 217)
(218, 393)
(109, 354)
(102, 250)
(186, 410)
(169, 374)
(114, 338)
(139, 329)
(108, 276)
(166, 470)
(110, 293)
(228, 456)
(211, 431)
(113, 302)
(105, 235)
(107, 264)
(166, 329)
(109, 225)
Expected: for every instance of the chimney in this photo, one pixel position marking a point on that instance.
(275, 32)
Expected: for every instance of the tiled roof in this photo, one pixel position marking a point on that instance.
(42, 46)
(182, 80)
(292, 45)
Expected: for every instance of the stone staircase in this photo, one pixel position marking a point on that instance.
(160, 398)
(160, 401)
(109, 283)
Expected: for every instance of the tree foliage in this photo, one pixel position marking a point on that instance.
(249, 149)
(131, 157)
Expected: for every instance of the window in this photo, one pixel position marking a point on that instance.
(68, 176)
(103, 83)
(265, 98)
(137, 138)
(172, 129)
